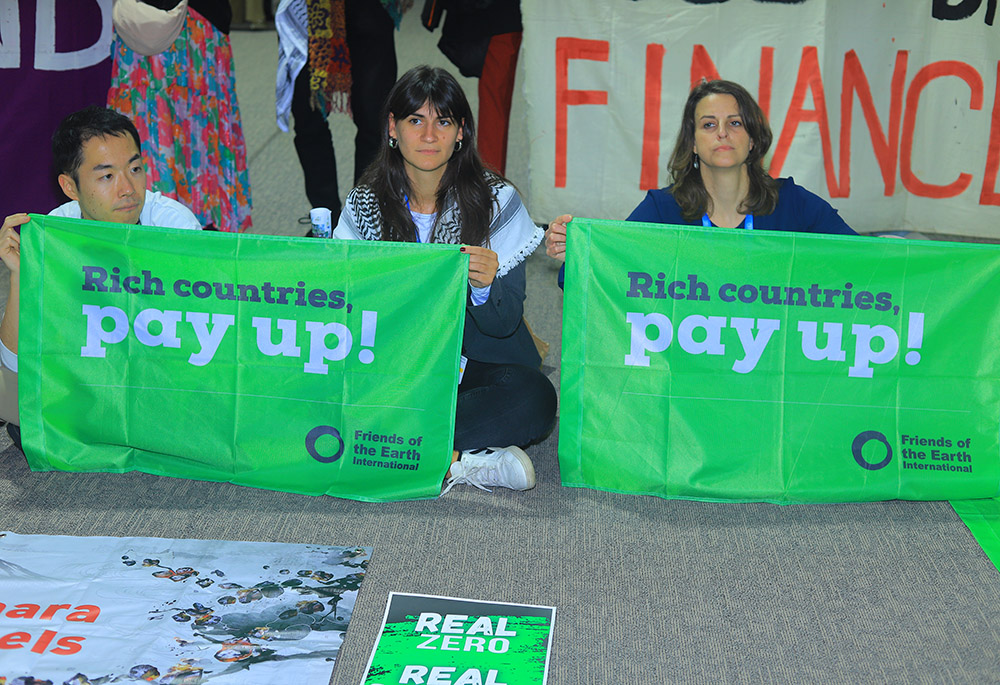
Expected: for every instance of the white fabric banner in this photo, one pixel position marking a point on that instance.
(83, 611)
(888, 109)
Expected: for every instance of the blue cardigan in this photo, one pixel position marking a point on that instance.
(797, 210)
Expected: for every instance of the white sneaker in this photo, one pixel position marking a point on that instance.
(507, 467)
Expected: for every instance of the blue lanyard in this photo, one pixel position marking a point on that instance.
(747, 222)
(406, 199)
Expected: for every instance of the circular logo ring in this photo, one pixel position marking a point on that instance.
(861, 440)
(318, 432)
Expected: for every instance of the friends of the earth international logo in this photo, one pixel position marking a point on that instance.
(873, 451)
(326, 445)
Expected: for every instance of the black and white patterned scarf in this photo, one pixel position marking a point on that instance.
(512, 234)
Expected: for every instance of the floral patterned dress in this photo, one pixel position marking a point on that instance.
(183, 101)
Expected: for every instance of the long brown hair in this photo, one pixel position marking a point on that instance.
(464, 178)
(688, 188)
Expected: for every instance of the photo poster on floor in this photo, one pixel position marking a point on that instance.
(89, 610)
(296, 364)
(452, 641)
(738, 365)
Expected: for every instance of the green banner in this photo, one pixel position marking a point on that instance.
(452, 641)
(766, 366)
(285, 363)
(982, 518)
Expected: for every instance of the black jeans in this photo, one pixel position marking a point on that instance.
(373, 72)
(503, 404)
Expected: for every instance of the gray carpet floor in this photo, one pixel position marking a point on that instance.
(646, 590)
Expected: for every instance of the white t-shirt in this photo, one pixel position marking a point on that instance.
(424, 224)
(157, 210)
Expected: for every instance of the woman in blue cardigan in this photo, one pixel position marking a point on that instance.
(718, 176)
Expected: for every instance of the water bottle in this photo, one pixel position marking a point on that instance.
(321, 219)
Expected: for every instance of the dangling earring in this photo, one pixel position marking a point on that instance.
(458, 145)
(696, 161)
(392, 142)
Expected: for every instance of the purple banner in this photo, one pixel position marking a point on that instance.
(54, 59)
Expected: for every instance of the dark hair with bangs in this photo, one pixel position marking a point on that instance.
(78, 128)
(465, 178)
(688, 188)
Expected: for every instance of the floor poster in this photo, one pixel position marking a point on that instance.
(95, 610)
(451, 641)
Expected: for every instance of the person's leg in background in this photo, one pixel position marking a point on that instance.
(255, 11)
(372, 45)
(314, 146)
(496, 90)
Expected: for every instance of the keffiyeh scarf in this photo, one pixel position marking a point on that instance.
(329, 58)
(512, 234)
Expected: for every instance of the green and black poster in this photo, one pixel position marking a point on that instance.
(449, 641)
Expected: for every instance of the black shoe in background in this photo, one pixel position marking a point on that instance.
(15, 434)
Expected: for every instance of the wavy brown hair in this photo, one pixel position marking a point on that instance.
(688, 188)
(464, 178)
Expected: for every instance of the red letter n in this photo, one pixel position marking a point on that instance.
(809, 80)
(885, 142)
(702, 66)
(567, 49)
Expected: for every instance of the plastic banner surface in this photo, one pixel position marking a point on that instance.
(447, 640)
(293, 364)
(982, 518)
(891, 110)
(759, 365)
(101, 610)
